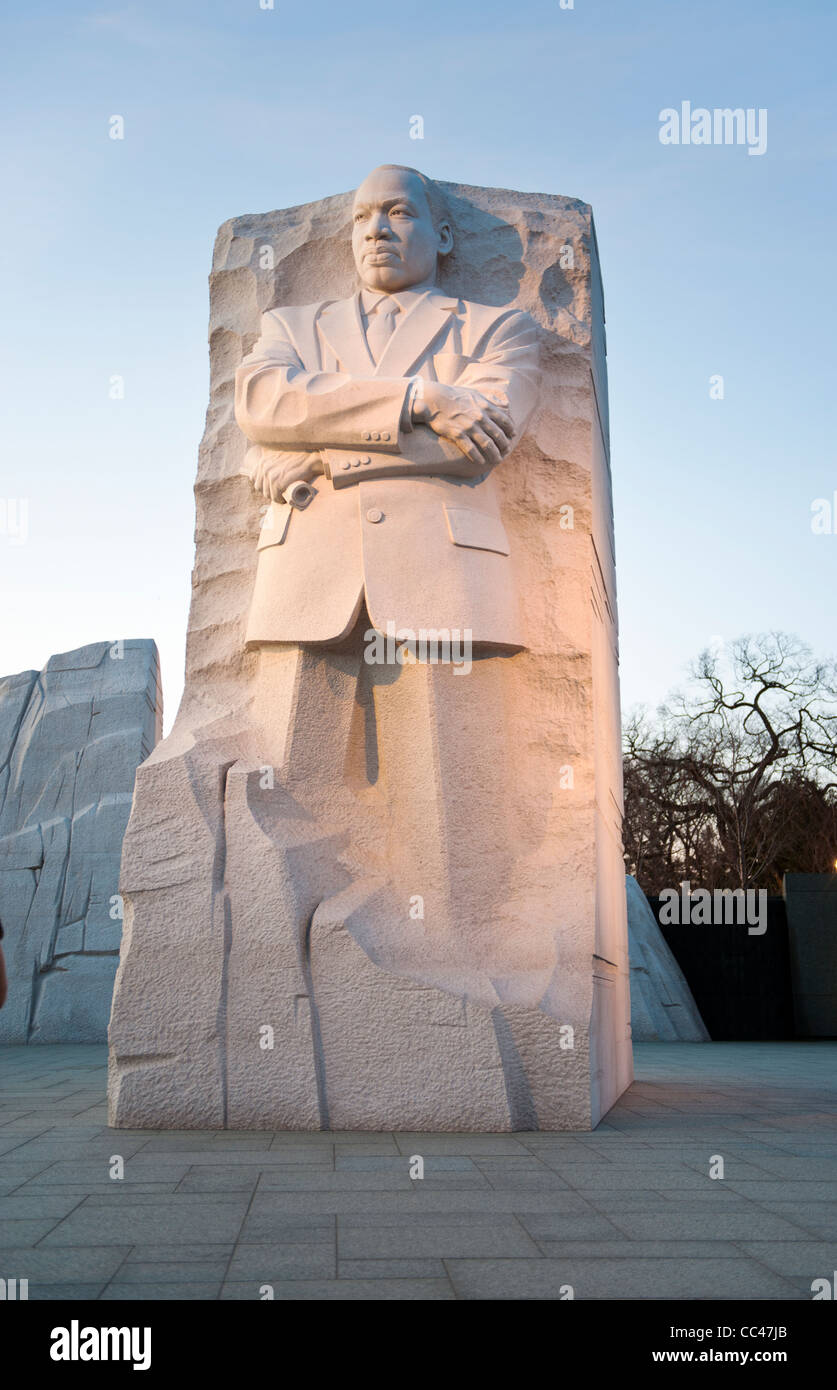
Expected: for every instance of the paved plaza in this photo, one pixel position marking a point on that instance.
(626, 1212)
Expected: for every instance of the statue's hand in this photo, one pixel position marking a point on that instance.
(274, 470)
(481, 428)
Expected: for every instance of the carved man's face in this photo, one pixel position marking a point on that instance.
(394, 241)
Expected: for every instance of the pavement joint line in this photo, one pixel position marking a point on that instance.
(237, 1240)
(126, 1257)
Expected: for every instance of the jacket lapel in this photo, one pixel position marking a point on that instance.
(342, 328)
(414, 332)
(340, 324)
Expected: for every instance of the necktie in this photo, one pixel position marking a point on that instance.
(382, 326)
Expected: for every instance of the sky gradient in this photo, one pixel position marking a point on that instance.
(714, 262)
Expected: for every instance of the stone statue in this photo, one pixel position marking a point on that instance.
(404, 400)
(373, 877)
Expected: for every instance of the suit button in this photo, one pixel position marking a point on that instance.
(374, 514)
(356, 463)
(386, 435)
(375, 434)
(366, 459)
(366, 435)
(346, 463)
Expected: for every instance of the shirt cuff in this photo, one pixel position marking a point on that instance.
(409, 401)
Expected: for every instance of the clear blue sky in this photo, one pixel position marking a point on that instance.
(715, 262)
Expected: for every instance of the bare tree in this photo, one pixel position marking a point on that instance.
(738, 774)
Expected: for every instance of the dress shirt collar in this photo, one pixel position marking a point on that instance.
(405, 299)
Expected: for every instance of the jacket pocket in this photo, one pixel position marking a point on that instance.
(478, 530)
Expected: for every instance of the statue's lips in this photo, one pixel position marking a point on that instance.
(379, 256)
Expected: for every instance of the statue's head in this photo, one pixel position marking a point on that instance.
(400, 228)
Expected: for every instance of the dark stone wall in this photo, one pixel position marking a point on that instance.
(741, 983)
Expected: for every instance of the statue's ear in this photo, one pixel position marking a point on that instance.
(445, 239)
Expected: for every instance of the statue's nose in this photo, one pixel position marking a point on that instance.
(378, 228)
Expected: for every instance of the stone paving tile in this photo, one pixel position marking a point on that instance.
(229, 1178)
(57, 1147)
(26, 1231)
(371, 1205)
(800, 1167)
(313, 1140)
(267, 1227)
(818, 1219)
(735, 1169)
(436, 1163)
(452, 1182)
(73, 1129)
(607, 1199)
(803, 1148)
(95, 1176)
(139, 1191)
(36, 1205)
(424, 1236)
(710, 1196)
(526, 1182)
(56, 1266)
(130, 1225)
(162, 1293)
(631, 1176)
(557, 1248)
(471, 1145)
(617, 1279)
(11, 1143)
(642, 1199)
(177, 1254)
(169, 1272)
(266, 1263)
(66, 1293)
(171, 1200)
(786, 1191)
(391, 1269)
(306, 1179)
(617, 1153)
(356, 1290)
(806, 1259)
(196, 1157)
(361, 1138)
(13, 1176)
(367, 1146)
(721, 1224)
(590, 1225)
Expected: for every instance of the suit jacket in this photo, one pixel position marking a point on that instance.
(394, 520)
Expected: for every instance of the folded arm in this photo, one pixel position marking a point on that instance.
(464, 428)
(279, 403)
(372, 427)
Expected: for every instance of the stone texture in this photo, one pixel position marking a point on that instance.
(250, 906)
(71, 737)
(662, 1007)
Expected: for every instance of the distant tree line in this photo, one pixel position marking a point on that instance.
(734, 782)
